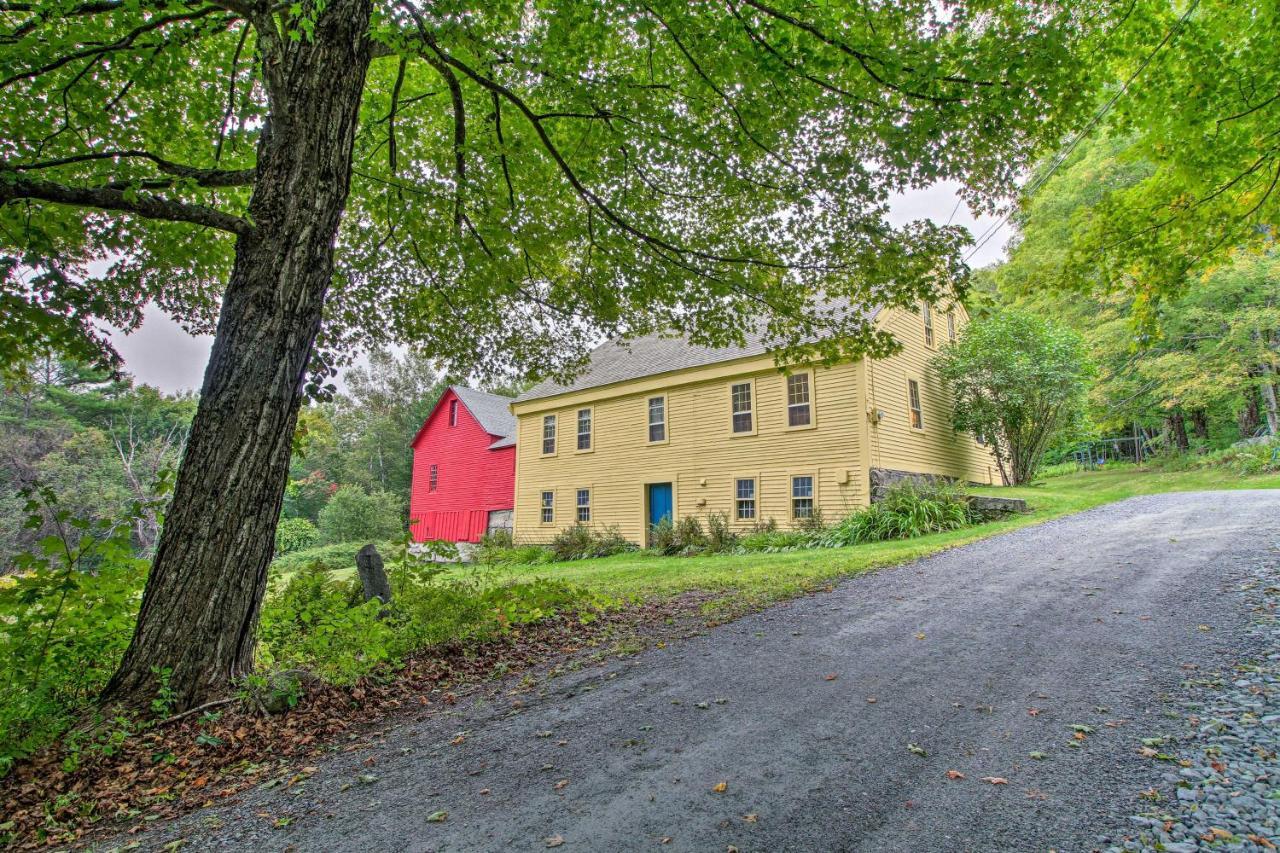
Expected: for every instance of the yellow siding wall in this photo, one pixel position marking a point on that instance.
(701, 458)
(894, 443)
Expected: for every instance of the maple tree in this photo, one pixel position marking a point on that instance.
(500, 182)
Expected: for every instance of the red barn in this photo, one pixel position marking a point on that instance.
(464, 467)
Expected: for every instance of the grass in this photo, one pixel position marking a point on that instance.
(743, 580)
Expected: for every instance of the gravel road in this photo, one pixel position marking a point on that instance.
(833, 720)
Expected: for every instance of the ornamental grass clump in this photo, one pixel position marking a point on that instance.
(907, 509)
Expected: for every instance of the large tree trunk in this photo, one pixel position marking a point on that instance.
(1200, 423)
(200, 608)
(1177, 427)
(1249, 418)
(1269, 400)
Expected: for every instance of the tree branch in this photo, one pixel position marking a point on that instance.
(203, 177)
(109, 198)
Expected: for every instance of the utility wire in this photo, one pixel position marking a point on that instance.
(1039, 181)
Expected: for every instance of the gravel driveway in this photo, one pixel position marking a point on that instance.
(832, 721)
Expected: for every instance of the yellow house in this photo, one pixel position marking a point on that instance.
(657, 427)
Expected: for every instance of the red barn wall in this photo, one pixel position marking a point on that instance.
(472, 480)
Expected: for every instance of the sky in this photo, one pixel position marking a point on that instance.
(160, 353)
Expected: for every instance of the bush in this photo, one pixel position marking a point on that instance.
(721, 538)
(352, 514)
(909, 508)
(66, 618)
(340, 555)
(580, 542)
(772, 540)
(312, 624)
(295, 534)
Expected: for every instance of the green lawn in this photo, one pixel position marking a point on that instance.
(756, 578)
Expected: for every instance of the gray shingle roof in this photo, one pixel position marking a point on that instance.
(652, 355)
(491, 411)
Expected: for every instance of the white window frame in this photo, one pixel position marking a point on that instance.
(547, 506)
(750, 411)
(453, 413)
(812, 497)
(927, 313)
(951, 326)
(579, 506)
(739, 500)
(650, 423)
(591, 430)
(809, 381)
(550, 420)
(915, 407)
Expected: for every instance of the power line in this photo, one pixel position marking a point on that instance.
(1039, 181)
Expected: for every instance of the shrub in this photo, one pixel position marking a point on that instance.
(909, 508)
(352, 514)
(662, 536)
(66, 618)
(772, 540)
(340, 555)
(721, 538)
(295, 534)
(580, 542)
(516, 555)
(690, 539)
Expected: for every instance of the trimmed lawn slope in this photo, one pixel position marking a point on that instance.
(753, 579)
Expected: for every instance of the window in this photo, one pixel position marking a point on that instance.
(799, 412)
(657, 419)
(744, 495)
(913, 402)
(741, 397)
(584, 505)
(951, 326)
(584, 429)
(802, 497)
(453, 413)
(434, 479)
(928, 323)
(979, 440)
(549, 435)
(548, 507)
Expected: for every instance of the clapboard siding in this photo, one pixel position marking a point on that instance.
(894, 444)
(701, 458)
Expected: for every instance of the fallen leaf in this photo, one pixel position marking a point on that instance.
(484, 791)
(562, 784)
(1038, 756)
(1078, 735)
(871, 700)
(554, 840)
(1260, 841)
(1147, 752)
(666, 839)
(995, 780)
(954, 774)
(721, 787)
(920, 635)
(1215, 833)
(1036, 794)
(1033, 712)
(917, 750)
(751, 818)
(830, 676)
(437, 817)
(458, 739)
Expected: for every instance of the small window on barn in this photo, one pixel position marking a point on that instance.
(913, 403)
(740, 399)
(657, 419)
(453, 413)
(584, 429)
(548, 507)
(584, 506)
(802, 497)
(928, 323)
(744, 491)
(434, 479)
(799, 410)
(549, 435)
(951, 326)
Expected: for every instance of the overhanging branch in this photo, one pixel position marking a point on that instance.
(203, 177)
(143, 204)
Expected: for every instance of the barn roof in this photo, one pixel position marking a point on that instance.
(491, 411)
(652, 355)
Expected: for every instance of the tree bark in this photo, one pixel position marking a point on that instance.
(1200, 423)
(200, 608)
(1269, 400)
(1249, 418)
(1177, 430)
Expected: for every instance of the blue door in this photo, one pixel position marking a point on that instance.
(659, 502)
